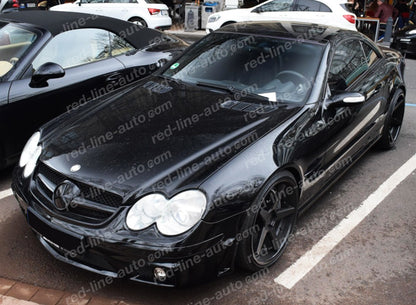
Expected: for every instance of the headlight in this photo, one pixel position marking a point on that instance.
(172, 216)
(214, 18)
(412, 32)
(30, 154)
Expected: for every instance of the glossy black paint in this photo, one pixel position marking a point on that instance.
(46, 72)
(229, 155)
(23, 93)
(404, 41)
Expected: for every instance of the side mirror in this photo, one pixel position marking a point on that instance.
(44, 73)
(346, 99)
(257, 10)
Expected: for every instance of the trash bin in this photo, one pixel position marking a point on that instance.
(191, 17)
(207, 9)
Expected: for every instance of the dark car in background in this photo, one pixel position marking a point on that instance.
(52, 62)
(204, 166)
(404, 40)
(14, 5)
(29, 4)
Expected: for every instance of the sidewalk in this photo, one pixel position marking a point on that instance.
(17, 293)
(180, 31)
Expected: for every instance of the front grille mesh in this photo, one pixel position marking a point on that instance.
(47, 180)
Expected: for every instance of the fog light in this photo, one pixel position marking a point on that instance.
(160, 274)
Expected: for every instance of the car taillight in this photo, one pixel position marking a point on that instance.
(350, 18)
(15, 3)
(153, 11)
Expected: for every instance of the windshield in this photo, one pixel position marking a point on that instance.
(14, 42)
(281, 70)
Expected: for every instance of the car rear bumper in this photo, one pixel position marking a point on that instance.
(159, 22)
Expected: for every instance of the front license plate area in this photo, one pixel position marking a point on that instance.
(53, 234)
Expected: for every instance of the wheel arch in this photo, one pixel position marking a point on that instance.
(296, 171)
(227, 23)
(395, 96)
(137, 17)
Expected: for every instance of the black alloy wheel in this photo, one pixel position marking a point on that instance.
(393, 124)
(271, 220)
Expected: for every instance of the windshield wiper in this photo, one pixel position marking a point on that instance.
(232, 90)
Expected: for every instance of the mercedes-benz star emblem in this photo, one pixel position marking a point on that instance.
(64, 194)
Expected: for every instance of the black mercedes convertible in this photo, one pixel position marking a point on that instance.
(204, 166)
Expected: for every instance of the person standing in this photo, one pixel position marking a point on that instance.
(385, 11)
(404, 13)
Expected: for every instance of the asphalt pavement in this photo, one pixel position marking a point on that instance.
(375, 263)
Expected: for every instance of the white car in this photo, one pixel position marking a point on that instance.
(328, 12)
(149, 13)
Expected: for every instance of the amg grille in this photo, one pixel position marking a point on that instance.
(96, 205)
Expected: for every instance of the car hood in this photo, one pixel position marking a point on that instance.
(156, 136)
(63, 7)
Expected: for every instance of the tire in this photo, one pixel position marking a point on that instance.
(393, 123)
(270, 220)
(138, 21)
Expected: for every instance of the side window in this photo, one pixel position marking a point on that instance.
(324, 8)
(369, 53)
(120, 1)
(94, 1)
(311, 6)
(75, 48)
(14, 43)
(119, 45)
(307, 6)
(348, 63)
(276, 6)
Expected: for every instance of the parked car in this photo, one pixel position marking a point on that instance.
(404, 40)
(327, 12)
(232, 140)
(51, 60)
(6, 5)
(29, 4)
(149, 13)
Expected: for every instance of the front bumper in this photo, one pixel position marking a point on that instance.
(115, 252)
